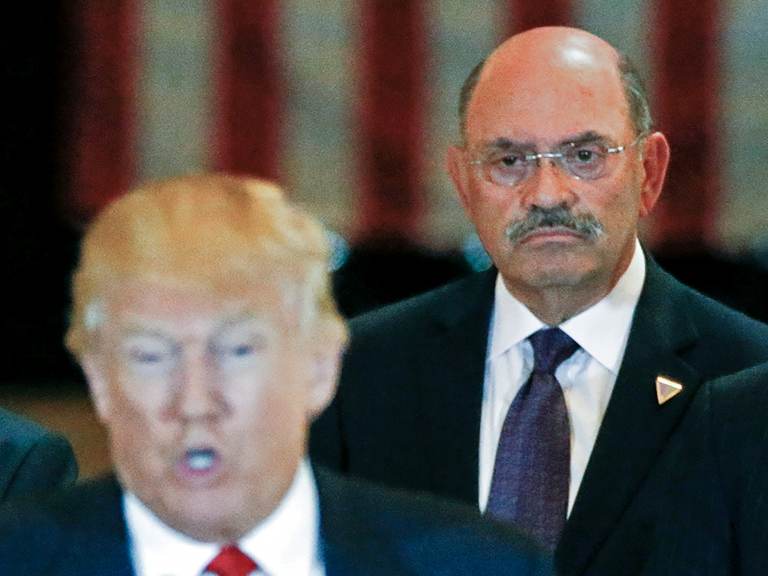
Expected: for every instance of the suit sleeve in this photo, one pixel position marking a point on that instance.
(47, 463)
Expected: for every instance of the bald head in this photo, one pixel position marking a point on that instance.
(570, 54)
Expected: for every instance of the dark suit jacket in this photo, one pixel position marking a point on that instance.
(408, 409)
(364, 531)
(32, 460)
(715, 496)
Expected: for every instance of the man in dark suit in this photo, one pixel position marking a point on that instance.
(558, 162)
(204, 323)
(32, 459)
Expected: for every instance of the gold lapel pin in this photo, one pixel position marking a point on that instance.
(666, 389)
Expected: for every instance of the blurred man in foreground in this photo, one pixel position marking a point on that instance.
(205, 327)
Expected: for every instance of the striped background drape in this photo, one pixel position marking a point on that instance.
(350, 104)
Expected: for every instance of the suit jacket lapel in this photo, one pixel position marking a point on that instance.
(635, 428)
(452, 368)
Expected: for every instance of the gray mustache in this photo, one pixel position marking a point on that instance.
(584, 224)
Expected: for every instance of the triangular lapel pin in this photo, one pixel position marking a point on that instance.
(666, 389)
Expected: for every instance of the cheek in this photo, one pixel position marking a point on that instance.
(135, 423)
(491, 210)
(139, 445)
(618, 209)
(134, 417)
(269, 410)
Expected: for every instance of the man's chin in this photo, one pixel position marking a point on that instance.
(208, 521)
(560, 268)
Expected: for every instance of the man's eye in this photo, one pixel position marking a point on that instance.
(586, 154)
(147, 357)
(241, 350)
(235, 352)
(511, 160)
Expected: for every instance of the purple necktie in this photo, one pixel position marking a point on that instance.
(529, 488)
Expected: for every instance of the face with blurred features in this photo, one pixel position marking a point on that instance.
(207, 399)
(554, 237)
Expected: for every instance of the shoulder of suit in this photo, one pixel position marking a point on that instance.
(710, 314)
(35, 532)
(17, 428)
(408, 512)
(403, 314)
(90, 510)
(742, 393)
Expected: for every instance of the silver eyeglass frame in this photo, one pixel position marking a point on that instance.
(559, 156)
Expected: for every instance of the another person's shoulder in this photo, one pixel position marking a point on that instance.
(741, 398)
(20, 433)
(34, 458)
(431, 535)
(15, 428)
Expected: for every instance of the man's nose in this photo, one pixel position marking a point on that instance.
(197, 393)
(548, 186)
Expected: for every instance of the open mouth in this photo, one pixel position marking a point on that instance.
(200, 459)
(199, 463)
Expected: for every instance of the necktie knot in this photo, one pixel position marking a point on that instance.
(551, 347)
(231, 561)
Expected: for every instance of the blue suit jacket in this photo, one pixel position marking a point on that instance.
(32, 459)
(363, 531)
(408, 409)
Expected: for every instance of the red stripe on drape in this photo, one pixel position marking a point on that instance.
(525, 14)
(687, 60)
(249, 88)
(392, 123)
(98, 154)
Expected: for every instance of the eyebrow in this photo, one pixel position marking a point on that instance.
(244, 317)
(136, 330)
(503, 143)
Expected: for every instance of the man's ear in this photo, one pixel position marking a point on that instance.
(98, 384)
(458, 170)
(326, 349)
(655, 162)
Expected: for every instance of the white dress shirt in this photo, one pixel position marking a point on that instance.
(284, 544)
(587, 377)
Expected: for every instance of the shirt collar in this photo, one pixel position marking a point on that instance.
(513, 322)
(286, 542)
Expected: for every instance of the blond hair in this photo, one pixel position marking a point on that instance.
(213, 230)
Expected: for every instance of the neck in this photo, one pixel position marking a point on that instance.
(555, 305)
(555, 302)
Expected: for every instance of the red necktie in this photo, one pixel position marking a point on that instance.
(231, 561)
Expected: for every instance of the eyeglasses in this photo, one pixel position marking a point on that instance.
(588, 160)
